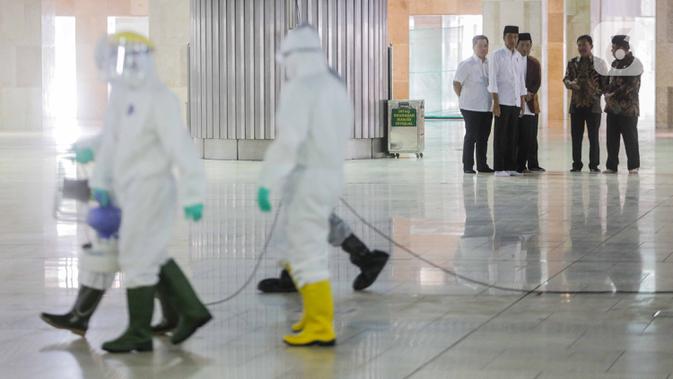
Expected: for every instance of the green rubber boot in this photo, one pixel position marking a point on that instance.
(193, 314)
(77, 320)
(138, 335)
(169, 316)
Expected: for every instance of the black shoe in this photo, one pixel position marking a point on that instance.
(284, 284)
(469, 171)
(486, 170)
(576, 170)
(537, 169)
(370, 268)
(371, 263)
(77, 320)
(595, 170)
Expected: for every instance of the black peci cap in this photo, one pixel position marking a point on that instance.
(621, 41)
(511, 29)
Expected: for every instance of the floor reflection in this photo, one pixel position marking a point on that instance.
(566, 232)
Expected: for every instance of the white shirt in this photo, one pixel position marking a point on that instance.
(524, 69)
(472, 74)
(505, 77)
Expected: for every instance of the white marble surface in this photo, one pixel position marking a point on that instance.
(556, 230)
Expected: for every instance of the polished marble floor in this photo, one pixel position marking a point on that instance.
(555, 231)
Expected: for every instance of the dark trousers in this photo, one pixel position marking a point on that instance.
(627, 128)
(527, 154)
(505, 139)
(477, 131)
(593, 123)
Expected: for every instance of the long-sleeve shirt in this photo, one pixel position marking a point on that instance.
(588, 73)
(621, 93)
(505, 77)
(533, 79)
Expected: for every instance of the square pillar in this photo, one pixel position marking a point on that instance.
(664, 65)
(555, 61)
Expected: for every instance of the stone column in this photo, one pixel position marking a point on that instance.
(578, 22)
(555, 61)
(169, 30)
(21, 57)
(398, 34)
(664, 64)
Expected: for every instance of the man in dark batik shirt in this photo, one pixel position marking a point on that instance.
(622, 105)
(584, 76)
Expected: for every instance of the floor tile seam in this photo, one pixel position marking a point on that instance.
(614, 305)
(467, 335)
(470, 333)
(541, 321)
(273, 348)
(501, 352)
(642, 332)
(668, 256)
(584, 333)
(392, 345)
(604, 242)
(615, 361)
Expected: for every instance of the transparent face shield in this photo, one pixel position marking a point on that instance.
(129, 62)
(102, 56)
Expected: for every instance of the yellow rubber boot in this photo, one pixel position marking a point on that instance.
(318, 317)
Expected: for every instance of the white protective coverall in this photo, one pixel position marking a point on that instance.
(89, 276)
(315, 116)
(143, 142)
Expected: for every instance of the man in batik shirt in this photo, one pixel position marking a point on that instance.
(584, 76)
(622, 105)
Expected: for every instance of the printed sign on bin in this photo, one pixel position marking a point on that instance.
(403, 118)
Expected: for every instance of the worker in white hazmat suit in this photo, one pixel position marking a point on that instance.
(94, 281)
(139, 151)
(306, 161)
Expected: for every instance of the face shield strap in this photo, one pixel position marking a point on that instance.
(129, 62)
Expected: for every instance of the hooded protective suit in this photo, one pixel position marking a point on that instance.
(91, 146)
(143, 141)
(86, 149)
(142, 124)
(306, 159)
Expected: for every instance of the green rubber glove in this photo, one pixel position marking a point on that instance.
(102, 196)
(263, 199)
(194, 212)
(84, 155)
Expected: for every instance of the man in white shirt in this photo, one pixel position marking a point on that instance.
(506, 84)
(471, 85)
(528, 123)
